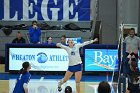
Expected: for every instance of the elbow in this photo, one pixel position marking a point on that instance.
(57, 45)
(25, 86)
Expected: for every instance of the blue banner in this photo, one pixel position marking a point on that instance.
(47, 10)
(101, 59)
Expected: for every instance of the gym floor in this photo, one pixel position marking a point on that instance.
(48, 83)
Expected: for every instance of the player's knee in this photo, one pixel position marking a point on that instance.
(77, 84)
(77, 80)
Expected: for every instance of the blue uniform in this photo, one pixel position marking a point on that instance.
(75, 68)
(34, 35)
(23, 78)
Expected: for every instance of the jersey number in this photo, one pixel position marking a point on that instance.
(72, 53)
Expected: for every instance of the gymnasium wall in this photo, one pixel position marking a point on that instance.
(110, 12)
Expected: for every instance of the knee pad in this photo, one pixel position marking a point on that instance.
(77, 84)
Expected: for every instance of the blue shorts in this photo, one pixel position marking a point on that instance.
(75, 68)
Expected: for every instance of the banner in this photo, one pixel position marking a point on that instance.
(101, 59)
(47, 10)
(41, 59)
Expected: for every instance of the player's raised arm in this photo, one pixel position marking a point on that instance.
(88, 42)
(61, 46)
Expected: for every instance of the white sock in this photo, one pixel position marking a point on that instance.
(60, 83)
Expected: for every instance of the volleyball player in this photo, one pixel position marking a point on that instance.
(75, 63)
(133, 75)
(23, 79)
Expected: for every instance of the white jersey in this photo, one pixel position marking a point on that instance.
(73, 53)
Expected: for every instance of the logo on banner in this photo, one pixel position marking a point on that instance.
(107, 59)
(101, 57)
(42, 57)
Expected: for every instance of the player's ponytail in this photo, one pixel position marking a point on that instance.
(21, 70)
(24, 68)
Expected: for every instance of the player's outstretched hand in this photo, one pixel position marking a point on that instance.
(95, 40)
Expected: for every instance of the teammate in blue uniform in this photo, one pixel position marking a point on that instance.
(23, 79)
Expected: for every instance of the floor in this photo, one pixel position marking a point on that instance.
(48, 83)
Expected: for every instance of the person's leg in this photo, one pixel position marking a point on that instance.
(68, 74)
(78, 76)
(125, 64)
